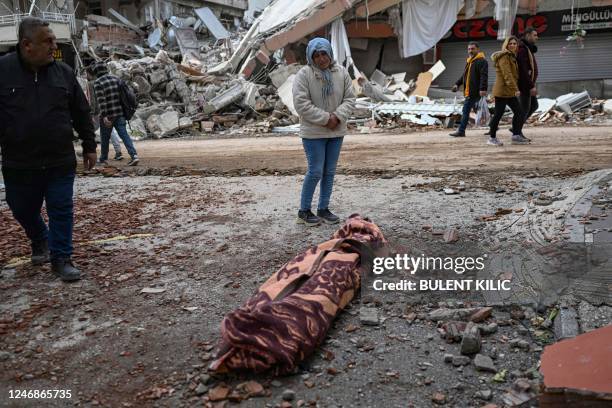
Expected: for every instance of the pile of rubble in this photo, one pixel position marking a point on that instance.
(190, 83)
(576, 108)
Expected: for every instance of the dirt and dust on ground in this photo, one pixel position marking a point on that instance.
(170, 247)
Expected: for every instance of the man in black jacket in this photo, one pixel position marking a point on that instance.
(475, 80)
(41, 102)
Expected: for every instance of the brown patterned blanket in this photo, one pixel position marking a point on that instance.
(289, 316)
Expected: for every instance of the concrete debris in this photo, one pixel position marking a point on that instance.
(369, 316)
(484, 363)
(471, 340)
(197, 66)
(566, 324)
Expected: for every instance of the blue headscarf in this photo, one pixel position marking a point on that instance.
(321, 44)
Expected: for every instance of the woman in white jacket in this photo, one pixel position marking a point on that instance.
(323, 98)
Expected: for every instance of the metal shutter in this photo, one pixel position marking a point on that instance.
(594, 61)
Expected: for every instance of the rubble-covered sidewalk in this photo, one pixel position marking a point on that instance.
(166, 259)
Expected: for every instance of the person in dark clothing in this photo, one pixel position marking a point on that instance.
(528, 71)
(108, 98)
(41, 102)
(475, 81)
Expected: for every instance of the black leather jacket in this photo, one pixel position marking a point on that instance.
(37, 114)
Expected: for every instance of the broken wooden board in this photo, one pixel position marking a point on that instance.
(423, 83)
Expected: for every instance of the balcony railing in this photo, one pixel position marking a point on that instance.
(15, 19)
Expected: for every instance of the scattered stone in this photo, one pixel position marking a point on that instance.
(515, 398)
(488, 329)
(566, 324)
(369, 316)
(201, 389)
(442, 314)
(522, 385)
(453, 330)
(543, 201)
(471, 341)
(484, 395)
(451, 235)
(5, 356)
(519, 343)
(499, 190)
(351, 328)
(448, 358)
(288, 395)
(460, 361)
(481, 314)
(438, 398)
(450, 191)
(484, 363)
(219, 393)
(276, 384)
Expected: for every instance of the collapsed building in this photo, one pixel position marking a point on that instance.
(228, 65)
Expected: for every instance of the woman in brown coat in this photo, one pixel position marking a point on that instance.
(506, 92)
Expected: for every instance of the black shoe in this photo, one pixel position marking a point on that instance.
(40, 252)
(64, 268)
(308, 218)
(457, 134)
(118, 157)
(327, 216)
(134, 161)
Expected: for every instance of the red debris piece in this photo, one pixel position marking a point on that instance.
(578, 371)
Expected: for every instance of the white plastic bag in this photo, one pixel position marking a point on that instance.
(482, 113)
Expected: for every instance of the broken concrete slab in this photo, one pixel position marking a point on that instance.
(437, 69)
(379, 77)
(233, 94)
(163, 125)
(285, 92)
(280, 75)
(212, 23)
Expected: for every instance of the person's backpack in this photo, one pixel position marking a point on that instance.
(129, 102)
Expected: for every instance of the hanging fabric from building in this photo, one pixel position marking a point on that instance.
(340, 46)
(505, 13)
(425, 22)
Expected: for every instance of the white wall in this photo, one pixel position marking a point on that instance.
(254, 6)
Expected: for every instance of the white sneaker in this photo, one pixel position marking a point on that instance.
(494, 142)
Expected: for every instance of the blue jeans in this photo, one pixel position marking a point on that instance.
(105, 135)
(468, 105)
(322, 156)
(25, 192)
